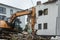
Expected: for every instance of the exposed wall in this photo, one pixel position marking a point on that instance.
(58, 19)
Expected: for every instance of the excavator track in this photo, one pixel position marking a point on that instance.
(5, 33)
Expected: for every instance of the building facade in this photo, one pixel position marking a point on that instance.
(7, 11)
(48, 16)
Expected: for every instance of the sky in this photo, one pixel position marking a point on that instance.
(22, 4)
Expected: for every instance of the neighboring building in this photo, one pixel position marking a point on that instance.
(7, 11)
(48, 18)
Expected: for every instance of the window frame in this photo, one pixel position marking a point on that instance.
(3, 10)
(40, 26)
(45, 11)
(2, 17)
(40, 12)
(45, 26)
(11, 11)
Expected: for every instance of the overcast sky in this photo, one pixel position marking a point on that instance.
(23, 4)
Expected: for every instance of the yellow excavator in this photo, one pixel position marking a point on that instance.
(5, 25)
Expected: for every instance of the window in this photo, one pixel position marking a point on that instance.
(11, 11)
(2, 17)
(39, 26)
(45, 11)
(45, 25)
(40, 12)
(2, 10)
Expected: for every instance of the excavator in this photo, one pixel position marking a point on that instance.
(8, 25)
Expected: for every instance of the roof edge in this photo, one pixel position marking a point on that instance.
(48, 2)
(10, 6)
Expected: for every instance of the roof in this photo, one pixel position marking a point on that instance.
(48, 2)
(10, 6)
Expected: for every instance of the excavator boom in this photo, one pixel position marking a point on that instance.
(17, 14)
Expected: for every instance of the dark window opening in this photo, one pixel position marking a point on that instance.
(39, 26)
(40, 12)
(45, 11)
(45, 25)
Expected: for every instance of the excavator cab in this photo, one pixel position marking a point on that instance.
(16, 23)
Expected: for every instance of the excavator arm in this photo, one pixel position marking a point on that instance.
(33, 19)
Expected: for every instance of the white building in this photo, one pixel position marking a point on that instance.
(48, 18)
(7, 11)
